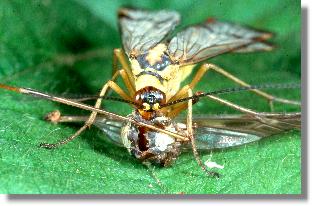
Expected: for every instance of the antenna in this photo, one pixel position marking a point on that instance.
(87, 107)
(233, 90)
(79, 98)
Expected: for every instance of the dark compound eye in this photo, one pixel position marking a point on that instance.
(150, 96)
(151, 99)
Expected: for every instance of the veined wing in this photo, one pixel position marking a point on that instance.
(112, 128)
(213, 132)
(212, 38)
(142, 30)
(233, 130)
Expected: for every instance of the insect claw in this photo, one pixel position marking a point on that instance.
(47, 145)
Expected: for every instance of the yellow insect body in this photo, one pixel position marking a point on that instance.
(167, 80)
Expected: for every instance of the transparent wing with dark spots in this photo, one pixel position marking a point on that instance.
(142, 30)
(212, 132)
(212, 38)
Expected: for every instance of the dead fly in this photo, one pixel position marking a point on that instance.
(153, 73)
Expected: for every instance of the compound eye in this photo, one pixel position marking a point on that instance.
(151, 99)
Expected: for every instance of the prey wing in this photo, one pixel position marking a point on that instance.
(212, 38)
(142, 30)
(213, 132)
(227, 131)
(112, 128)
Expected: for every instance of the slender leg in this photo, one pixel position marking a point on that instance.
(92, 117)
(232, 105)
(118, 55)
(174, 111)
(62, 100)
(64, 141)
(150, 168)
(182, 93)
(191, 137)
(206, 67)
(125, 73)
(260, 116)
(56, 117)
(110, 84)
(126, 81)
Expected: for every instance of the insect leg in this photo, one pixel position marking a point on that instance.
(129, 82)
(174, 110)
(83, 106)
(125, 73)
(191, 137)
(118, 55)
(56, 117)
(234, 106)
(260, 116)
(92, 116)
(206, 67)
(151, 169)
(110, 84)
(126, 81)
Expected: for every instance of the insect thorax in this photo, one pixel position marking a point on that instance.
(148, 145)
(154, 68)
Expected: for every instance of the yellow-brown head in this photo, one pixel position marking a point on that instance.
(149, 100)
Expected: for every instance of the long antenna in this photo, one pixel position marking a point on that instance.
(77, 98)
(87, 107)
(234, 89)
(81, 98)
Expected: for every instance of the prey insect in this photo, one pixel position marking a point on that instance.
(153, 70)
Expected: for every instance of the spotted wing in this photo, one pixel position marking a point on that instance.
(142, 30)
(212, 38)
(228, 131)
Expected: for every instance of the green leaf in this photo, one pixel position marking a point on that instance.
(65, 47)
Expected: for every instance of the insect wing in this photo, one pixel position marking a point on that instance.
(227, 131)
(212, 38)
(112, 128)
(142, 30)
(213, 138)
(213, 132)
